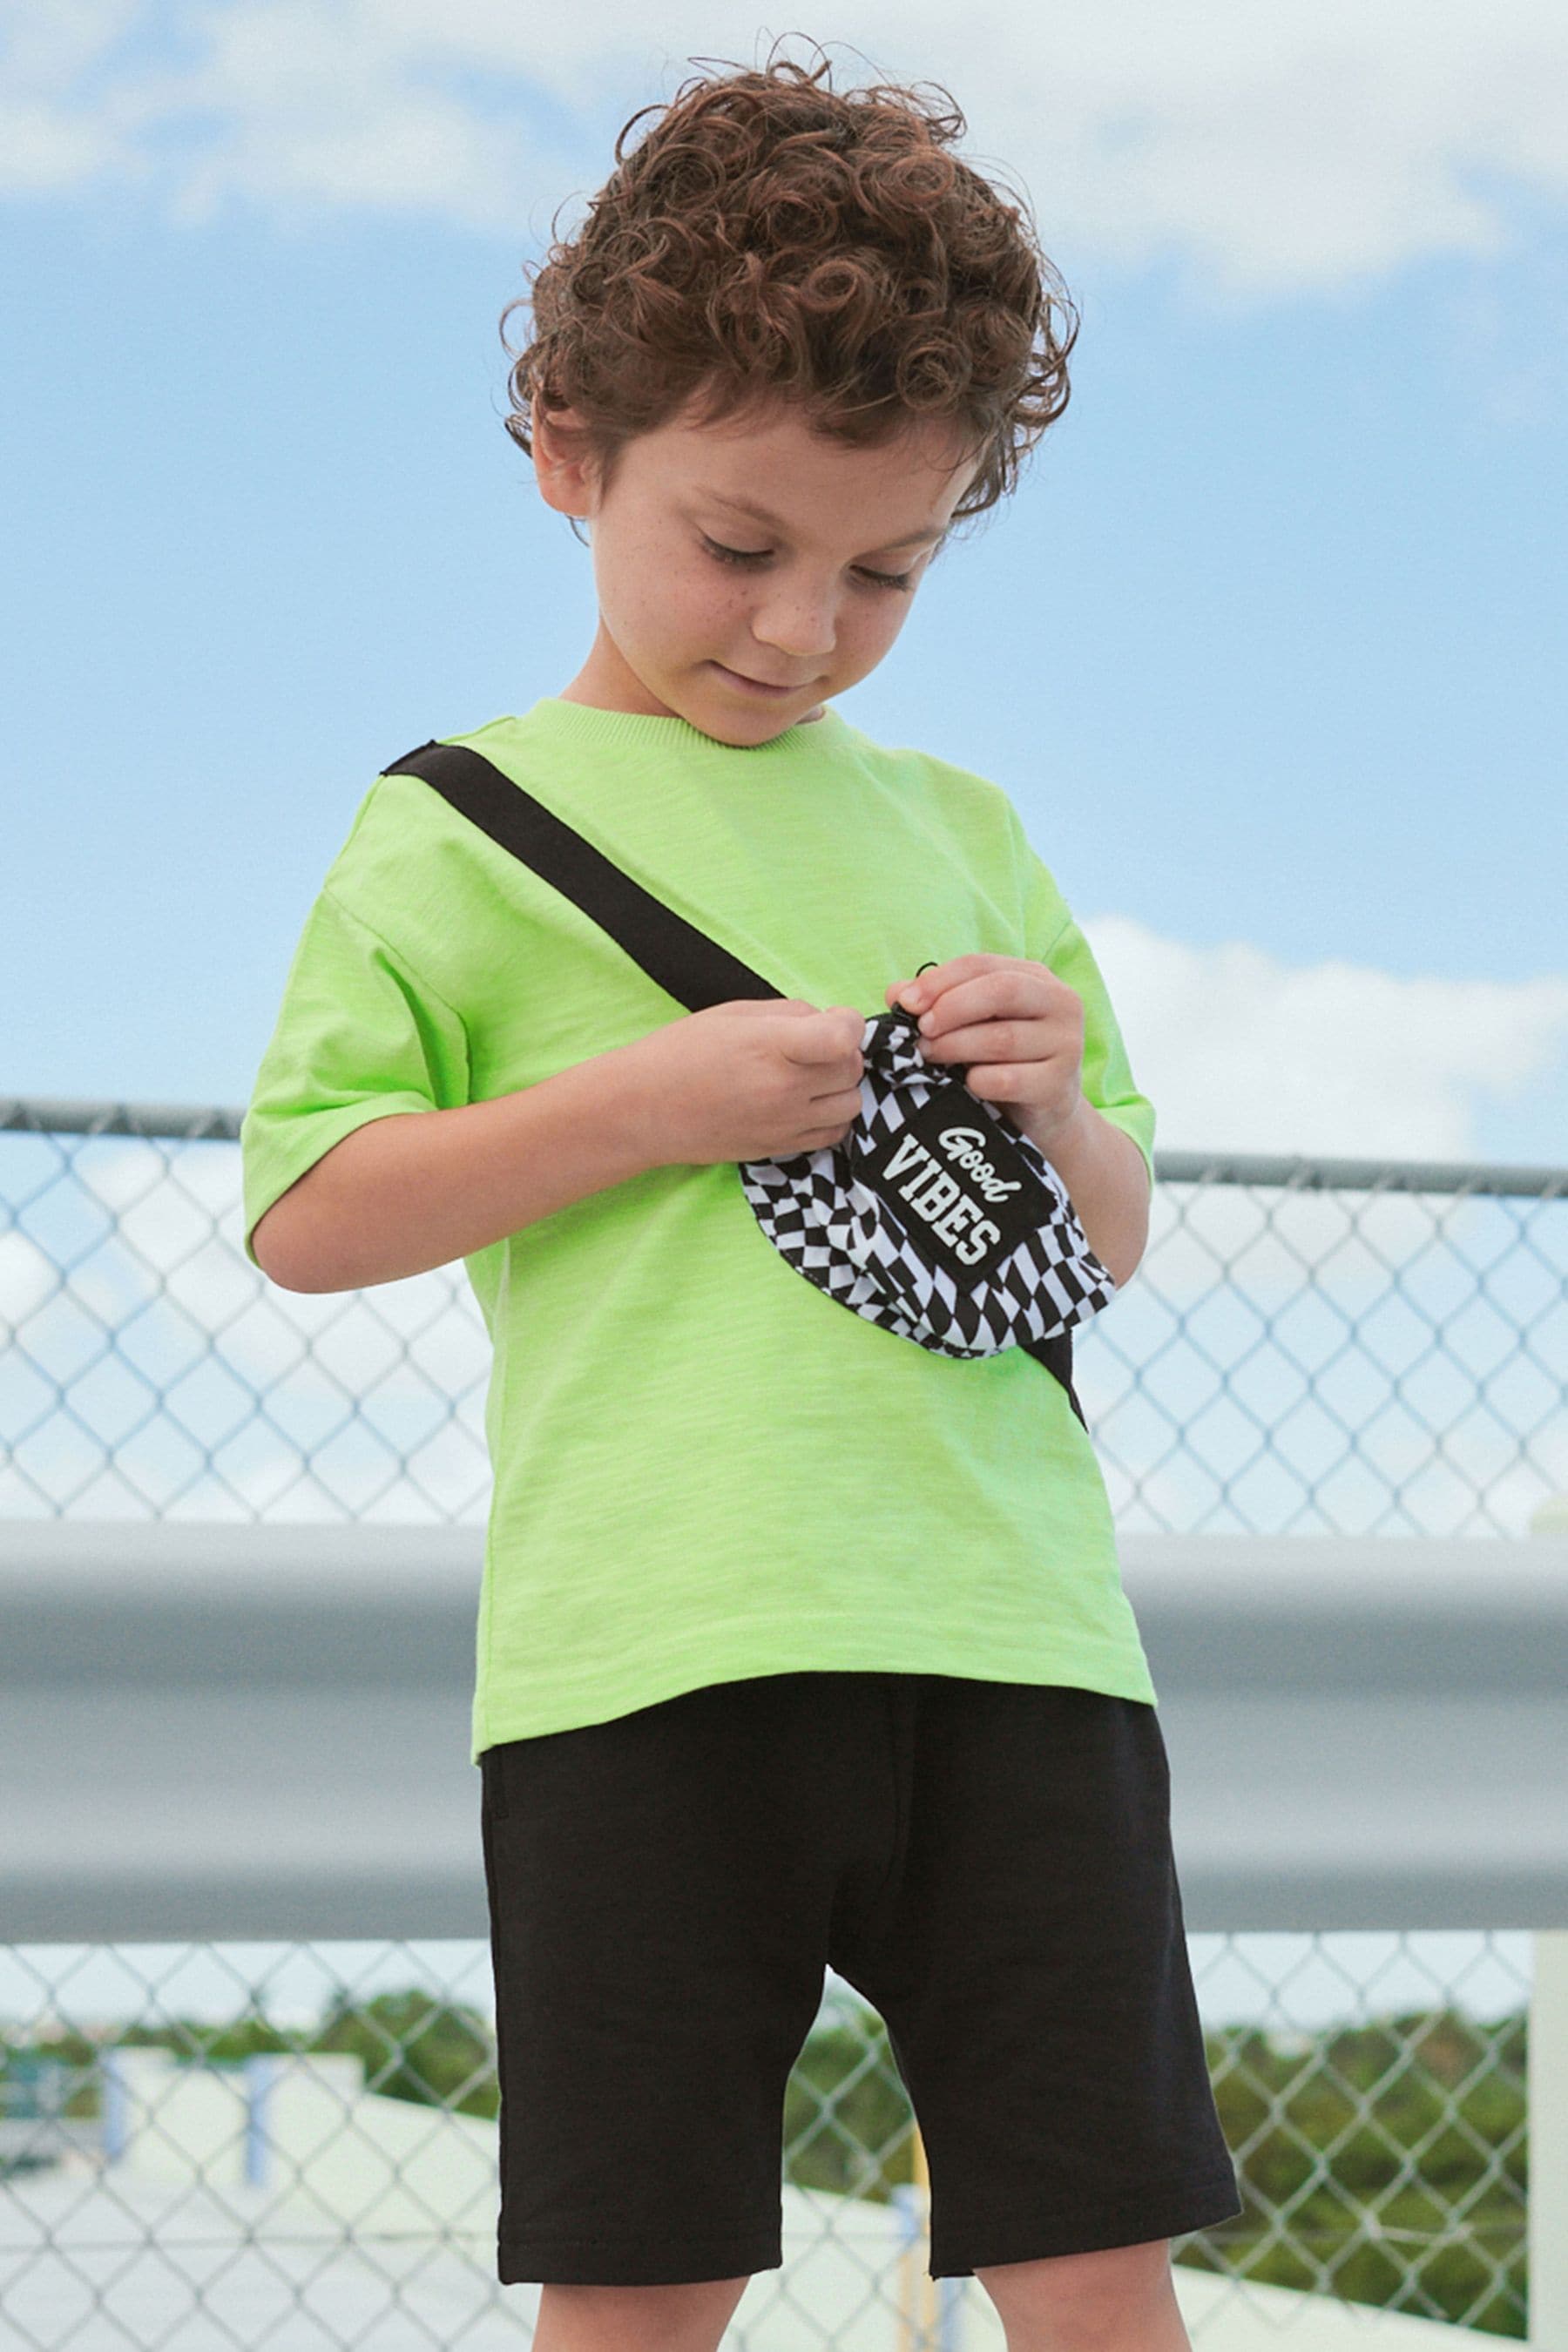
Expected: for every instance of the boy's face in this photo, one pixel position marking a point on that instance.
(681, 626)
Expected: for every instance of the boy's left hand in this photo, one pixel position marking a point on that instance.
(1016, 1025)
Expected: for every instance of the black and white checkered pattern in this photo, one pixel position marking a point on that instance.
(848, 1240)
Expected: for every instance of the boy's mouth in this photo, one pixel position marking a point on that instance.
(754, 684)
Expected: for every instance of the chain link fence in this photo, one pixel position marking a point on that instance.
(1309, 1347)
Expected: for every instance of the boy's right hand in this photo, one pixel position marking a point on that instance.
(755, 1079)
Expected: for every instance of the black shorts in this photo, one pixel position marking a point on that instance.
(988, 1863)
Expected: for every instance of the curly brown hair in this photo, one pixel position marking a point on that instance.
(775, 239)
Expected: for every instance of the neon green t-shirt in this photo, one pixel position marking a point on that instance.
(703, 1468)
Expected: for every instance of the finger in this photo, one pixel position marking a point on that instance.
(925, 984)
(824, 1040)
(1021, 993)
(1027, 1040)
(925, 987)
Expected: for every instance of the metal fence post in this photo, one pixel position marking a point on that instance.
(114, 2103)
(1546, 2223)
(930, 2310)
(261, 2071)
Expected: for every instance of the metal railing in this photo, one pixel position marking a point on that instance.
(1309, 1348)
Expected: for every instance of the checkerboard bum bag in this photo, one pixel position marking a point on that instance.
(934, 1217)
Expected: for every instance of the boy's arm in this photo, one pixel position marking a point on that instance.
(365, 1159)
(1106, 1155)
(418, 1189)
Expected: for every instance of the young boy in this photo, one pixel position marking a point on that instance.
(801, 1646)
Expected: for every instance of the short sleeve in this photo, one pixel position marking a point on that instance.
(1056, 940)
(358, 1036)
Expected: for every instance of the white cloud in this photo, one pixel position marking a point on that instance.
(1240, 1051)
(1311, 144)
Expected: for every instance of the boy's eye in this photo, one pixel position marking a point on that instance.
(760, 555)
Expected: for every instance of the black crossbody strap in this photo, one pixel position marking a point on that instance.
(686, 963)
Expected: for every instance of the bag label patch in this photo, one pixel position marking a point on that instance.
(960, 1189)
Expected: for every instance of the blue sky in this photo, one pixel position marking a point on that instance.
(1267, 648)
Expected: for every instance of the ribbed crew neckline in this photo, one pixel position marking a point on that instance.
(666, 731)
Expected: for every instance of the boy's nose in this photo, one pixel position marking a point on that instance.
(796, 630)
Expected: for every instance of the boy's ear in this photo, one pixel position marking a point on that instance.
(564, 480)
